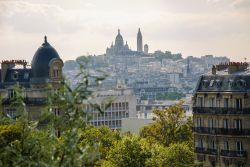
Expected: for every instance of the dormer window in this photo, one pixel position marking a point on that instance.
(241, 83)
(26, 75)
(15, 75)
(231, 83)
(55, 72)
(211, 84)
(205, 83)
(218, 83)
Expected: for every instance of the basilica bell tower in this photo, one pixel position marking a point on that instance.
(139, 41)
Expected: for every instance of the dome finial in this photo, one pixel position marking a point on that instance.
(45, 39)
(118, 31)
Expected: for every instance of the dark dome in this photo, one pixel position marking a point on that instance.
(41, 59)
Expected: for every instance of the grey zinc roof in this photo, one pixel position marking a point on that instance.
(223, 83)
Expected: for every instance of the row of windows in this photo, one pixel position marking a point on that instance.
(110, 115)
(11, 113)
(111, 124)
(225, 102)
(212, 145)
(114, 106)
(212, 123)
(218, 83)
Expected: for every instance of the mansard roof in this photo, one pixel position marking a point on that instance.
(224, 83)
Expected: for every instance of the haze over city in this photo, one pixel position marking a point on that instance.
(190, 27)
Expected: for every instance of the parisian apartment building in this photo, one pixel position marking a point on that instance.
(221, 116)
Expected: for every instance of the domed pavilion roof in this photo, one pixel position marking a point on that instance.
(41, 60)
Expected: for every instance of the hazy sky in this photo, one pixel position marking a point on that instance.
(79, 27)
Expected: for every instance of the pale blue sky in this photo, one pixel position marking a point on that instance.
(78, 27)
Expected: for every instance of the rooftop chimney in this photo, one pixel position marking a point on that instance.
(232, 67)
(214, 70)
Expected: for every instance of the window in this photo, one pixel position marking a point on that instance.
(200, 102)
(239, 165)
(55, 72)
(217, 103)
(226, 102)
(127, 115)
(56, 111)
(211, 102)
(11, 113)
(126, 105)
(238, 105)
(212, 144)
(238, 124)
(226, 145)
(15, 75)
(239, 147)
(116, 106)
(199, 122)
(200, 143)
(123, 106)
(26, 75)
(225, 123)
(211, 84)
(211, 123)
(11, 93)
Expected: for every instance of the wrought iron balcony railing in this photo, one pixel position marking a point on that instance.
(222, 131)
(233, 153)
(220, 110)
(212, 151)
(200, 150)
(27, 101)
(226, 153)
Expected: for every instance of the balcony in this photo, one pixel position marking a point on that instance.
(233, 153)
(212, 151)
(35, 101)
(200, 150)
(222, 131)
(27, 101)
(220, 110)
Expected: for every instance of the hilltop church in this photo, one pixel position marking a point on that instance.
(121, 49)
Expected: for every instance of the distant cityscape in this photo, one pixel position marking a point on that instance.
(125, 87)
(144, 80)
(149, 75)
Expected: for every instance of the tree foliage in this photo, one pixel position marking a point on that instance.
(68, 140)
(176, 155)
(127, 152)
(170, 126)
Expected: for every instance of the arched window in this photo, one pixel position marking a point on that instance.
(55, 72)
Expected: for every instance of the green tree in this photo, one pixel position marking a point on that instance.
(129, 151)
(98, 141)
(24, 144)
(51, 140)
(170, 126)
(176, 155)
